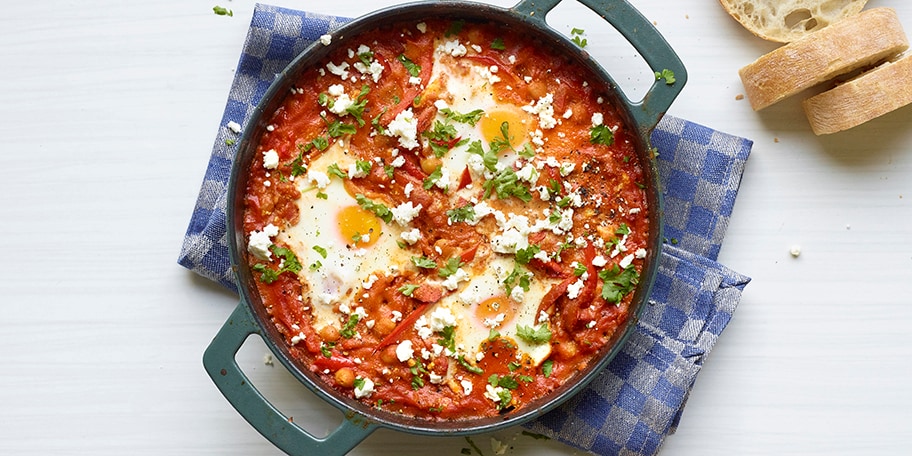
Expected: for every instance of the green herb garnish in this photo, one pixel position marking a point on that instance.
(601, 134)
(538, 335)
(616, 283)
(413, 68)
(423, 262)
(408, 289)
(498, 44)
(380, 210)
(667, 75)
(462, 214)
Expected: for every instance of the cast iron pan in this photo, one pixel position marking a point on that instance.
(527, 19)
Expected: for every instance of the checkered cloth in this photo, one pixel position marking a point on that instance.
(637, 400)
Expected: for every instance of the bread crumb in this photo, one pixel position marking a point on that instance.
(739, 96)
(795, 251)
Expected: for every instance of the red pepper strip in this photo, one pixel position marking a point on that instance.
(550, 268)
(588, 293)
(407, 322)
(333, 363)
(465, 179)
(469, 255)
(412, 168)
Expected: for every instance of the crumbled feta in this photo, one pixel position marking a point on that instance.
(326, 39)
(599, 261)
(320, 179)
(543, 316)
(414, 80)
(492, 392)
(405, 213)
(398, 162)
(639, 253)
(441, 317)
(567, 168)
(404, 351)
(453, 48)
(517, 294)
(405, 126)
(411, 237)
(435, 379)
(423, 328)
(575, 288)
(340, 70)
(494, 322)
(487, 74)
(568, 113)
(476, 48)
(371, 280)
(340, 105)
(452, 282)
(354, 172)
(297, 338)
(544, 109)
(634, 210)
(259, 241)
(421, 26)
(234, 127)
(528, 79)
(408, 188)
(528, 173)
(597, 119)
(466, 387)
(396, 315)
(626, 261)
(364, 389)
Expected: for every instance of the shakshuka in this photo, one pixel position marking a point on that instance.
(446, 220)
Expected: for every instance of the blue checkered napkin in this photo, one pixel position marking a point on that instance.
(637, 400)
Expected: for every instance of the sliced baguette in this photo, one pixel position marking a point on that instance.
(852, 43)
(788, 20)
(869, 95)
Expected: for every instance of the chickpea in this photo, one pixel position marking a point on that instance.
(388, 355)
(345, 377)
(384, 326)
(567, 349)
(329, 333)
(430, 164)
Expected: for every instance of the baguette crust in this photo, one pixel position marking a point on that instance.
(788, 20)
(870, 95)
(852, 43)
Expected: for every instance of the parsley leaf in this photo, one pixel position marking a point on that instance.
(320, 250)
(423, 262)
(413, 68)
(505, 184)
(380, 210)
(358, 383)
(357, 108)
(538, 335)
(442, 138)
(547, 368)
(455, 28)
(448, 339)
(579, 269)
(489, 157)
(462, 214)
(616, 283)
(498, 44)
(519, 277)
(470, 118)
(267, 274)
(363, 166)
(337, 128)
(601, 134)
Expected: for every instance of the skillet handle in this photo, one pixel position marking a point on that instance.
(219, 361)
(644, 37)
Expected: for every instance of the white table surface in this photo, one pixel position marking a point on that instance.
(108, 110)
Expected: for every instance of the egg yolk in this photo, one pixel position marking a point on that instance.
(358, 226)
(491, 308)
(492, 126)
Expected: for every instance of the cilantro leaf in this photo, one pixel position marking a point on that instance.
(579, 269)
(601, 134)
(334, 170)
(222, 11)
(451, 267)
(455, 28)
(448, 338)
(380, 210)
(498, 44)
(320, 250)
(524, 256)
(413, 68)
(547, 368)
(348, 331)
(505, 184)
(616, 283)
(667, 75)
(423, 262)
(267, 274)
(431, 180)
(338, 128)
(490, 157)
(538, 335)
(462, 214)
(470, 118)
(408, 289)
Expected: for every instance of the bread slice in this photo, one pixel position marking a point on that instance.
(852, 43)
(788, 20)
(869, 95)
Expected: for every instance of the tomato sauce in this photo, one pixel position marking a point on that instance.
(561, 157)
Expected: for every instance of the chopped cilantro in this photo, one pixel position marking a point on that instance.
(462, 214)
(622, 230)
(616, 283)
(378, 209)
(538, 335)
(431, 180)
(442, 138)
(334, 170)
(322, 195)
(337, 128)
(290, 263)
(413, 68)
(519, 277)
(348, 331)
(316, 265)
(267, 274)
(505, 184)
(489, 157)
(222, 11)
(359, 383)
(577, 37)
(513, 366)
(498, 44)
(320, 250)
(524, 256)
(326, 349)
(366, 58)
(601, 134)
(451, 267)
(470, 118)
(423, 262)
(388, 170)
(448, 338)
(363, 166)
(297, 165)
(408, 289)
(547, 368)
(579, 269)
(504, 381)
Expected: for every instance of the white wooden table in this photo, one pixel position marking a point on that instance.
(108, 110)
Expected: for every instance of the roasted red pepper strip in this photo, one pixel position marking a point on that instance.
(332, 363)
(465, 179)
(407, 322)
